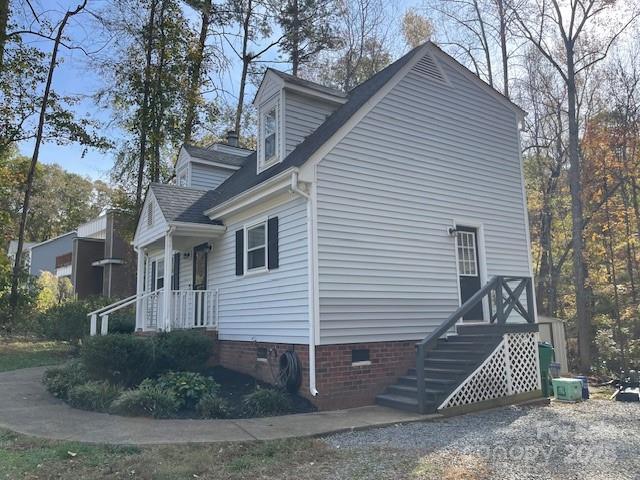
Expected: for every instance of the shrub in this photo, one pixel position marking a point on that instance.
(187, 387)
(263, 402)
(212, 406)
(96, 396)
(60, 380)
(146, 401)
(182, 350)
(118, 358)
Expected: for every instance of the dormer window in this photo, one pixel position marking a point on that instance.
(269, 145)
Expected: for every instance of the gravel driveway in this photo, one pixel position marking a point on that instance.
(597, 439)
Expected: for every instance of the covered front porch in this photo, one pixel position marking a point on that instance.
(173, 287)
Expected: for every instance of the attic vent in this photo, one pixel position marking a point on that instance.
(150, 214)
(428, 67)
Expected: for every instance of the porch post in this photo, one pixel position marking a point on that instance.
(168, 274)
(140, 290)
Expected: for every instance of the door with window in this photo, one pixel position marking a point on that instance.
(469, 269)
(200, 257)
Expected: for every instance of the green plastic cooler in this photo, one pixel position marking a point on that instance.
(567, 389)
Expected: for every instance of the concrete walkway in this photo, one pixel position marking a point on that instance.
(26, 407)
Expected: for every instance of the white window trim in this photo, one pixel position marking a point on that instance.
(476, 253)
(264, 109)
(245, 253)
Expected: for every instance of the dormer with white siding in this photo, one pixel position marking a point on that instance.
(206, 168)
(289, 110)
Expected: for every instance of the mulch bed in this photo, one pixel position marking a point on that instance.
(235, 385)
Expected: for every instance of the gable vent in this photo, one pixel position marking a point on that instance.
(428, 68)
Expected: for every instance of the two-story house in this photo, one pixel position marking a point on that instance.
(378, 236)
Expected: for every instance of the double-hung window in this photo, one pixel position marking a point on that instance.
(256, 243)
(270, 135)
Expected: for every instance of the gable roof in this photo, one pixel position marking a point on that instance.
(184, 204)
(248, 177)
(211, 155)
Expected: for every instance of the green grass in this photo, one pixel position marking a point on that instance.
(23, 353)
(23, 457)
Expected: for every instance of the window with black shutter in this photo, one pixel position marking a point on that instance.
(257, 247)
(240, 252)
(175, 277)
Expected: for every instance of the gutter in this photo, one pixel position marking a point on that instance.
(311, 282)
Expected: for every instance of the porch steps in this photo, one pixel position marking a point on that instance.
(446, 366)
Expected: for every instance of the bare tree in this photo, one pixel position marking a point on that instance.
(544, 24)
(36, 151)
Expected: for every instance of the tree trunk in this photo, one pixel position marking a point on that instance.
(246, 60)
(157, 98)
(17, 266)
(579, 268)
(503, 47)
(295, 41)
(195, 80)
(4, 20)
(145, 105)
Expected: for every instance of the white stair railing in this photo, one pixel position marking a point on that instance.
(104, 312)
(194, 308)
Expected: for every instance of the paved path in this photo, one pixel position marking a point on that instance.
(26, 407)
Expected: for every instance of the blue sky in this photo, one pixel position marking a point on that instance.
(75, 76)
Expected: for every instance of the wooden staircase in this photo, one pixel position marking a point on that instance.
(445, 360)
(451, 360)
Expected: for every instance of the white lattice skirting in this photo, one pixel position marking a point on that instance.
(512, 368)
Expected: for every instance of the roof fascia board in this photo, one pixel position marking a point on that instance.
(180, 228)
(443, 56)
(256, 193)
(306, 171)
(314, 93)
(213, 164)
(53, 239)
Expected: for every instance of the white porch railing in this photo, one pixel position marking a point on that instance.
(194, 308)
(187, 309)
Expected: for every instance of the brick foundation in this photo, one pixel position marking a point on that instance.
(339, 383)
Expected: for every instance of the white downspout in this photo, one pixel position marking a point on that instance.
(311, 270)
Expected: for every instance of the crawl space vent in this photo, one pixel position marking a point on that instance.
(427, 67)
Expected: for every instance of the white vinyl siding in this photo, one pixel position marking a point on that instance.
(268, 306)
(146, 233)
(303, 115)
(428, 154)
(208, 177)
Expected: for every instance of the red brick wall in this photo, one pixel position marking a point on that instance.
(339, 383)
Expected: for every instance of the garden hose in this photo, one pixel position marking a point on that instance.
(290, 374)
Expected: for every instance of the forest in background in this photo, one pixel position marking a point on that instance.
(176, 71)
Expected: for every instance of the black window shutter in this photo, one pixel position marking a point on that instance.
(175, 280)
(239, 252)
(153, 276)
(272, 250)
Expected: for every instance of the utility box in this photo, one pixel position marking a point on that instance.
(567, 389)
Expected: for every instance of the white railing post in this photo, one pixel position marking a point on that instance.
(215, 319)
(168, 274)
(104, 325)
(94, 325)
(140, 290)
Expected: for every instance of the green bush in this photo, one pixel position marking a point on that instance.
(146, 401)
(120, 359)
(187, 387)
(96, 396)
(263, 402)
(212, 406)
(182, 351)
(60, 380)
(69, 321)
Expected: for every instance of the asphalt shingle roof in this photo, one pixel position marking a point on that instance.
(214, 156)
(308, 84)
(184, 204)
